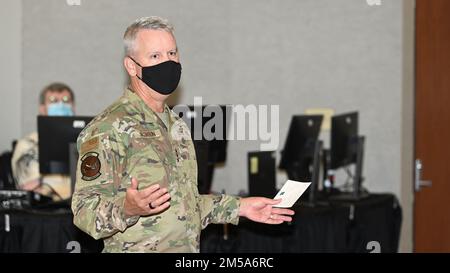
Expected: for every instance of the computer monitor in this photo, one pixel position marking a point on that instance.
(347, 147)
(344, 134)
(299, 146)
(203, 118)
(56, 133)
(210, 149)
(302, 150)
(261, 173)
(203, 170)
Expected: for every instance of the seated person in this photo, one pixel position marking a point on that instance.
(57, 99)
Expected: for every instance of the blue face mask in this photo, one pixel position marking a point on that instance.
(59, 109)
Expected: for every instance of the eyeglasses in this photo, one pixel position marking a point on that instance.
(65, 99)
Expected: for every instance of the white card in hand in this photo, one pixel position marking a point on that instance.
(290, 193)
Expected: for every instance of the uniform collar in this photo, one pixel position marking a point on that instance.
(149, 114)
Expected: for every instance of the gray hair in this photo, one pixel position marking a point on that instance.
(152, 22)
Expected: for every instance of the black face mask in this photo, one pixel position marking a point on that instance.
(163, 77)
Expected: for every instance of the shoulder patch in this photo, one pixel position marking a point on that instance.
(90, 166)
(89, 145)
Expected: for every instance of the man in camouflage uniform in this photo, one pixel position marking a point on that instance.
(137, 172)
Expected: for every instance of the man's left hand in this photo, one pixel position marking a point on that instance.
(260, 209)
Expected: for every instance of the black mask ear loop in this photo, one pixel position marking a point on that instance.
(137, 64)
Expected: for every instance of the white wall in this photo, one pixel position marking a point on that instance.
(10, 72)
(298, 54)
(407, 136)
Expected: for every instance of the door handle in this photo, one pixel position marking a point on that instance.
(418, 182)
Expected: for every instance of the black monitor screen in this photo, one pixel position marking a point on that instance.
(197, 119)
(55, 135)
(299, 147)
(344, 133)
(261, 174)
(204, 168)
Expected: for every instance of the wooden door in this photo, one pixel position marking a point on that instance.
(432, 131)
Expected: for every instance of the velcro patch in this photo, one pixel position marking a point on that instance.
(89, 145)
(150, 133)
(90, 166)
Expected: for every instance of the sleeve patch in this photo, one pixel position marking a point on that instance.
(90, 166)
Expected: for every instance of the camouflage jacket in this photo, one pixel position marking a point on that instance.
(129, 140)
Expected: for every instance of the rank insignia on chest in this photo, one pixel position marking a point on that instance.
(90, 166)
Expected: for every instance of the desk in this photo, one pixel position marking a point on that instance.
(43, 231)
(337, 227)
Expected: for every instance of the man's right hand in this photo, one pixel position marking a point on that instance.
(148, 201)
